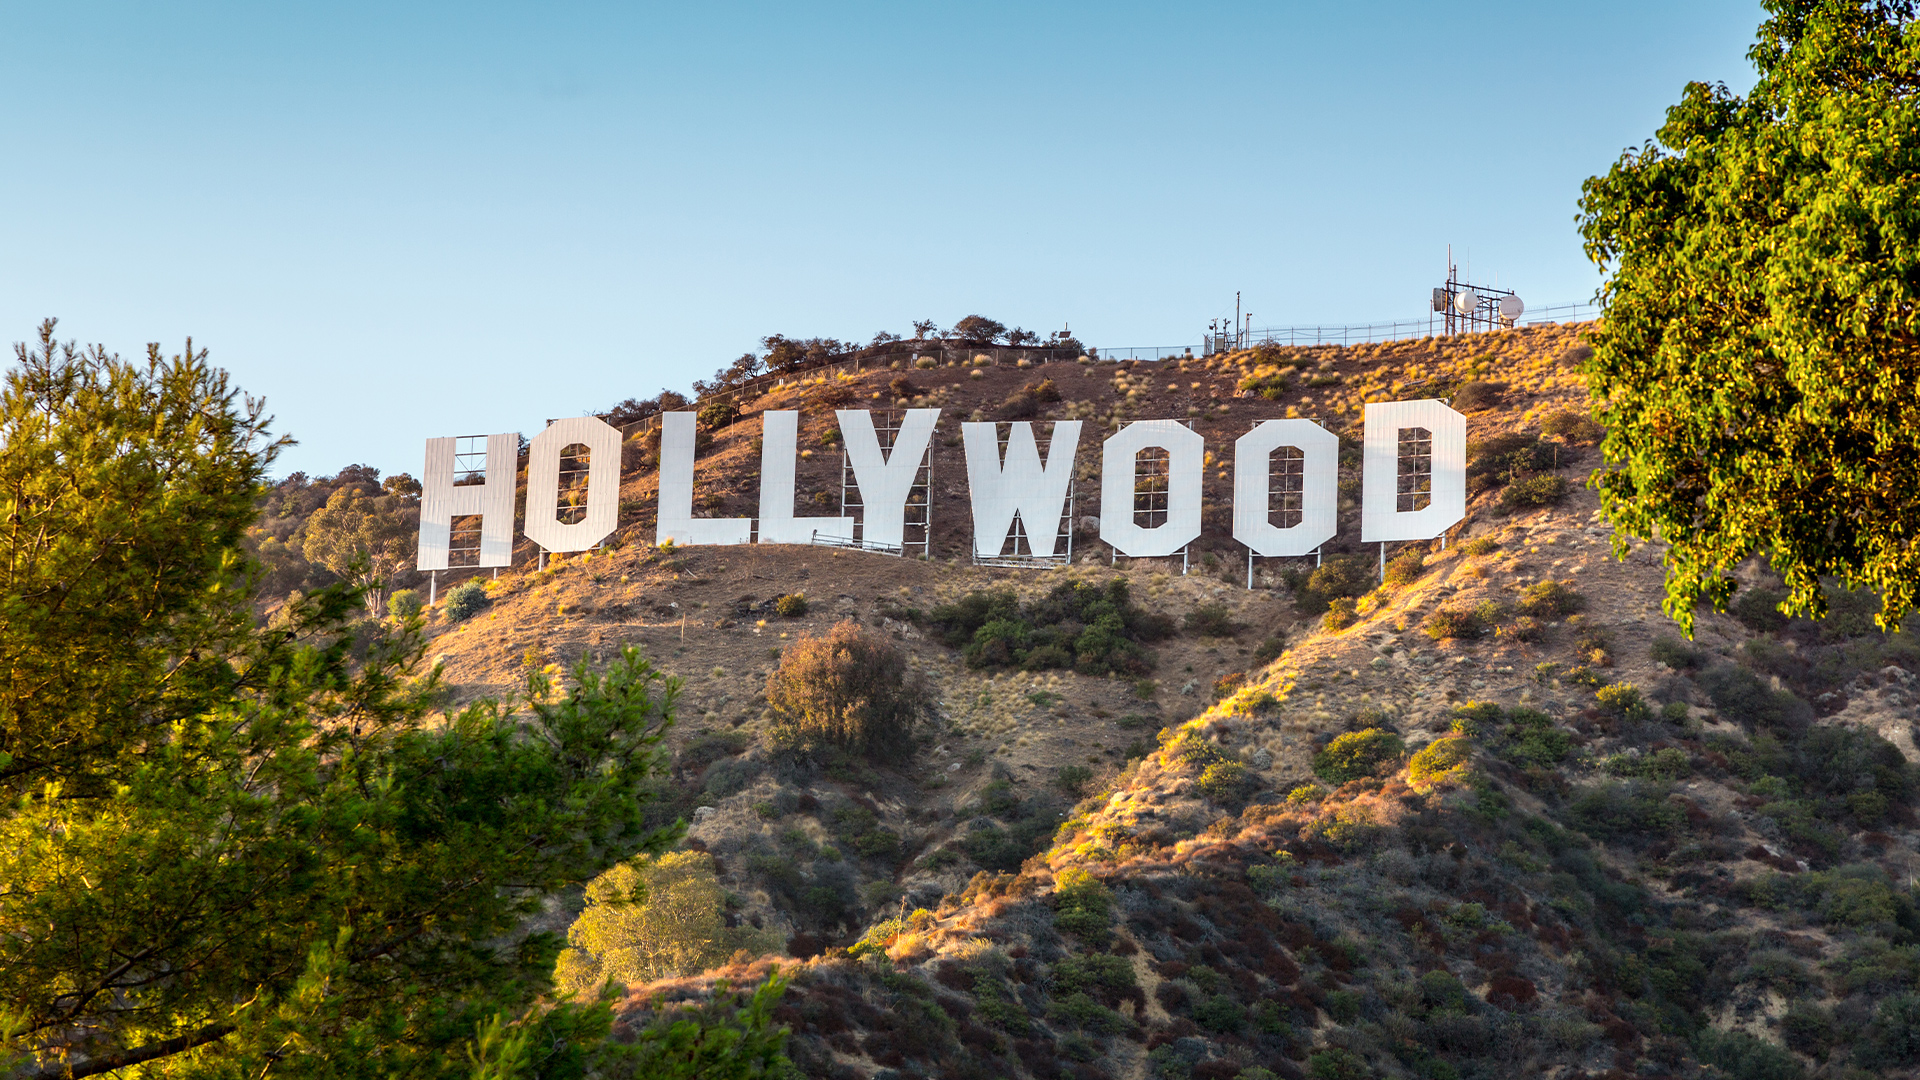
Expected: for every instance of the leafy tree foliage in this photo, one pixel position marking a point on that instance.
(979, 328)
(648, 919)
(1757, 365)
(363, 539)
(234, 849)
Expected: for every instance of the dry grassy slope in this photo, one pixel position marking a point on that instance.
(1261, 931)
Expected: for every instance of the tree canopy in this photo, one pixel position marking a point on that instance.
(233, 848)
(1759, 357)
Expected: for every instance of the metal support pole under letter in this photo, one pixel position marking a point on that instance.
(1383, 562)
(433, 586)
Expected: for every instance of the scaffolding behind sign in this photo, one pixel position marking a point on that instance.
(918, 527)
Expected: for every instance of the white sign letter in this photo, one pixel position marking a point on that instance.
(1319, 486)
(492, 499)
(677, 522)
(1038, 493)
(544, 526)
(1186, 452)
(779, 435)
(1436, 494)
(885, 479)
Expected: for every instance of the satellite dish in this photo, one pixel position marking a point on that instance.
(1511, 308)
(1440, 299)
(1465, 301)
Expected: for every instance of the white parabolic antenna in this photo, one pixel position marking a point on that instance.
(1465, 301)
(1511, 308)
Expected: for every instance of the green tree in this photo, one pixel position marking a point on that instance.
(1759, 356)
(648, 919)
(234, 849)
(365, 539)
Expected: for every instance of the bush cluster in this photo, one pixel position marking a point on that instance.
(1078, 625)
(1405, 568)
(1338, 577)
(1572, 427)
(1442, 762)
(1357, 754)
(1477, 395)
(1028, 401)
(466, 600)
(1506, 458)
(1550, 600)
(848, 689)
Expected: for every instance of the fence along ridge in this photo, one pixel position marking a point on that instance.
(1350, 334)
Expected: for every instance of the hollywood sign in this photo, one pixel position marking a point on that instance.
(1018, 482)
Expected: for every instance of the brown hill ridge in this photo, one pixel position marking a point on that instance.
(1490, 816)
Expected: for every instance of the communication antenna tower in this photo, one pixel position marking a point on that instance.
(1467, 307)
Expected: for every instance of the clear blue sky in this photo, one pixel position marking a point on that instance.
(399, 221)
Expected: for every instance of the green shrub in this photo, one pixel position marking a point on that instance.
(1341, 613)
(1441, 762)
(1574, 427)
(1543, 490)
(1093, 973)
(1622, 811)
(1080, 1010)
(1337, 1064)
(1357, 754)
(1506, 458)
(1454, 622)
(715, 415)
(1741, 1056)
(1671, 763)
(1481, 547)
(1268, 384)
(1808, 1028)
(1220, 1014)
(1212, 620)
(790, 606)
(1269, 650)
(466, 600)
(404, 604)
(1894, 1036)
(849, 689)
(1224, 780)
(1073, 779)
(1405, 569)
(1623, 700)
(1677, 654)
(1336, 577)
(1305, 794)
(1093, 629)
(1759, 608)
(1082, 906)
(1550, 600)
(1743, 697)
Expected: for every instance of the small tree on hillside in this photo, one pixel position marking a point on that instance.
(850, 690)
(651, 918)
(365, 539)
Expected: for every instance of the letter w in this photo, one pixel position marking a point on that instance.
(1023, 485)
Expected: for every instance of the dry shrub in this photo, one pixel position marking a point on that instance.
(1475, 396)
(1574, 428)
(849, 689)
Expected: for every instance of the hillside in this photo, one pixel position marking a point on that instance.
(1490, 816)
